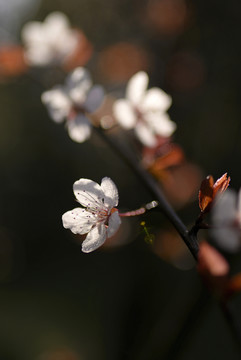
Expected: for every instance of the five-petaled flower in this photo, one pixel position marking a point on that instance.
(226, 221)
(144, 110)
(73, 101)
(49, 42)
(99, 218)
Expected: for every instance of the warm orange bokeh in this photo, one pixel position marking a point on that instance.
(118, 62)
(12, 62)
(168, 17)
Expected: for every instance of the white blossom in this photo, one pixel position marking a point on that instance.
(226, 220)
(144, 110)
(73, 101)
(98, 218)
(49, 42)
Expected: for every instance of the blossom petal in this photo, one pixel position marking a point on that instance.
(94, 239)
(57, 102)
(124, 113)
(38, 55)
(161, 123)
(88, 193)
(113, 224)
(156, 99)
(224, 232)
(61, 38)
(36, 50)
(239, 206)
(79, 128)
(136, 87)
(57, 20)
(224, 210)
(78, 220)
(110, 191)
(227, 238)
(145, 134)
(94, 98)
(32, 32)
(78, 83)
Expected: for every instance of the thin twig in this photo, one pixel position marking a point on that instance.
(149, 182)
(189, 237)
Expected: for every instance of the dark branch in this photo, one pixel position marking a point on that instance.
(149, 182)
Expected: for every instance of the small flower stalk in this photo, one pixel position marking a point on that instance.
(73, 102)
(98, 217)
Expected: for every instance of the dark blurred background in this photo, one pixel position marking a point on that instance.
(120, 302)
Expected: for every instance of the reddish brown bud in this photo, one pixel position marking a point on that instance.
(209, 190)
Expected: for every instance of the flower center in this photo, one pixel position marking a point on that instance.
(139, 115)
(101, 213)
(75, 110)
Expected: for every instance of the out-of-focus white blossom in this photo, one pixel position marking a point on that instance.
(49, 42)
(72, 101)
(99, 218)
(144, 110)
(226, 221)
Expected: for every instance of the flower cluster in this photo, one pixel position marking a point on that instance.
(143, 110)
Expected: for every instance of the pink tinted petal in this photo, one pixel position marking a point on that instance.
(78, 220)
(110, 191)
(79, 128)
(145, 134)
(94, 239)
(88, 193)
(94, 98)
(136, 87)
(211, 261)
(156, 100)
(124, 113)
(114, 224)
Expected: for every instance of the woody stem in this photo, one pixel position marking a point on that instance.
(149, 182)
